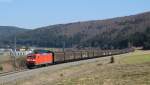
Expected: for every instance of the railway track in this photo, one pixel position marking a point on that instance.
(12, 72)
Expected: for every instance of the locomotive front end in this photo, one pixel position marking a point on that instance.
(31, 60)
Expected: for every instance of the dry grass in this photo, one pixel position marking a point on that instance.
(4, 58)
(7, 64)
(111, 75)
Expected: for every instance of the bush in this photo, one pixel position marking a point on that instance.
(21, 62)
(146, 46)
(1, 68)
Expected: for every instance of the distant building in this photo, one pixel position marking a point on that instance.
(22, 53)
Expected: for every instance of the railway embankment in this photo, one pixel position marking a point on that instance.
(33, 73)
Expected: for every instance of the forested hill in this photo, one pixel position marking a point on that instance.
(118, 32)
(6, 32)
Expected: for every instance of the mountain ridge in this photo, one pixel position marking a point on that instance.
(94, 33)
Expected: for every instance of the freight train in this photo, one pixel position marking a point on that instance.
(45, 57)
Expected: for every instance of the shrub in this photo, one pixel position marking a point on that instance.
(21, 62)
(1, 68)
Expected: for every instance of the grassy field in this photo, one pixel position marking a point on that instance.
(128, 69)
(4, 58)
(136, 57)
(6, 63)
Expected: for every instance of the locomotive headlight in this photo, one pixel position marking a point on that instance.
(31, 58)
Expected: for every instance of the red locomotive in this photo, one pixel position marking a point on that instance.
(39, 57)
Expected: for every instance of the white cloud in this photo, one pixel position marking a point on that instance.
(6, 1)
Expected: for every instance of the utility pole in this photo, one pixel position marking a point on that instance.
(64, 46)
(64, 41)
(14, 53)
(15, 43)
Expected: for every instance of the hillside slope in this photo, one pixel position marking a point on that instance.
(111, 33)
(8, 32)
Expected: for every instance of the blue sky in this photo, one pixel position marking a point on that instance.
(38, 13)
